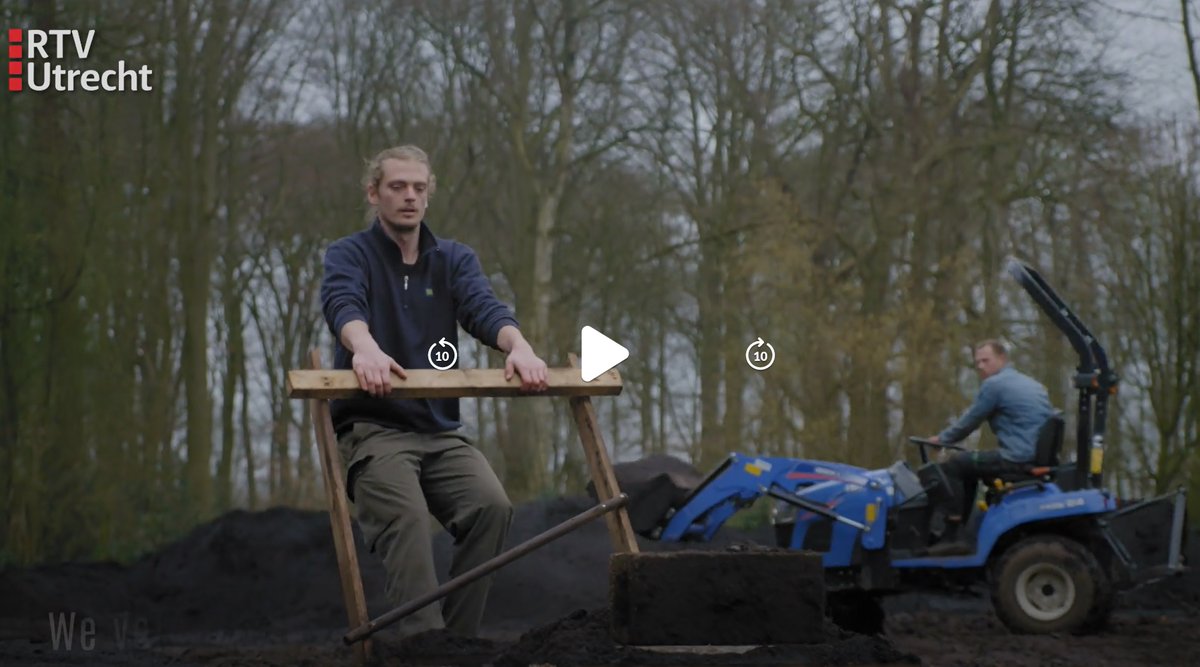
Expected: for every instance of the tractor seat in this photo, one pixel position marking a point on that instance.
(1045, 460)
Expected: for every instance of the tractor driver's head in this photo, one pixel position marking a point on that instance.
(990, 357)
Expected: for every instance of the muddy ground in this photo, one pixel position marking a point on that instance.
(262, 589)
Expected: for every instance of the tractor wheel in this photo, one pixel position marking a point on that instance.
(1046, 584)
(1098, 616)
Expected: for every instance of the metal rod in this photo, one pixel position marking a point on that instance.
(483, 569)
(815, 508)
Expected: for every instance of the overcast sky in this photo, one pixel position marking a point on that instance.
(1148, 43)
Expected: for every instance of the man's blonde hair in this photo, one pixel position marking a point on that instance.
(374, 171)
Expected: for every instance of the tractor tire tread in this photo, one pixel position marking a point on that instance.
(1095, 596)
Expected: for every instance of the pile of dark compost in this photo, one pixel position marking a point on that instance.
(262, 588)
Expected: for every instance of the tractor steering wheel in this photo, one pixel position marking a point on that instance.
(922, 443)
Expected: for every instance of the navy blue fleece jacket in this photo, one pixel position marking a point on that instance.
(407, 308)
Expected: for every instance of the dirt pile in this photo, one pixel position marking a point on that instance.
(654, 484)
(273, 570)
(717, 597)
(276, 571)
(582, 639)
(262, 589)
(438, 647)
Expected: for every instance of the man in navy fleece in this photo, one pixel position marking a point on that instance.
(389, 293)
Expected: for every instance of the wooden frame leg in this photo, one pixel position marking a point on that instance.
(339, 517)
(620, 529)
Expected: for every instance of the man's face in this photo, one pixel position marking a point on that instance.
(987, 362)
(402, 194)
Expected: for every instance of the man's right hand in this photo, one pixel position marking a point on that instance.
(374, 369)
(369, 362)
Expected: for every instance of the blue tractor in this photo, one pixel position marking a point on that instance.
(1053, 544)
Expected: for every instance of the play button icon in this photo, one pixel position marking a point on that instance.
(600, 353)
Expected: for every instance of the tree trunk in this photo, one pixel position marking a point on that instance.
(234, 363)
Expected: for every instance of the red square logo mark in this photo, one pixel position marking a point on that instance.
(14, 35)
(14, 85)
(14, 52)
(14, 67)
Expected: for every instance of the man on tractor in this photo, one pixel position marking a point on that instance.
(1015, 406)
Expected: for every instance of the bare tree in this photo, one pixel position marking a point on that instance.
(537, 88)
(1152, 229)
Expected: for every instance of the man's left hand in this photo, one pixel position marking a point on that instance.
(943, 454)
(528, 366)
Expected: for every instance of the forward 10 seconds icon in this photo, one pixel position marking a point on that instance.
(760, 354)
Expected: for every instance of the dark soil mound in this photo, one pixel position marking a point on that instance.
(262, 588)
(439, 647)
(654, 484)
(276, 571)
(567, 574)
(583, 638)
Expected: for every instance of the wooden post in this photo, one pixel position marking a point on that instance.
(339, 516)
(620, 529)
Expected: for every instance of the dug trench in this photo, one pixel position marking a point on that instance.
(262, 589)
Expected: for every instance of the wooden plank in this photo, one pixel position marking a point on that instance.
(620, 529)
(455, 383)
(339, 517)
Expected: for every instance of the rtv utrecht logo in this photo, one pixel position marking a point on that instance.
(32, 56)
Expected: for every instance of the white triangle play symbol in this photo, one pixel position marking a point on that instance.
(599, 353)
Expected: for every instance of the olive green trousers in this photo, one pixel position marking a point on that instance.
(395, 481)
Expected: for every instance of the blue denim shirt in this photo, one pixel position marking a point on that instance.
(1015, 406)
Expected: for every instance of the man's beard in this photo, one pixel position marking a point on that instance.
(402, 226)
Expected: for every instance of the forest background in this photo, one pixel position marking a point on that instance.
(844, 178)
